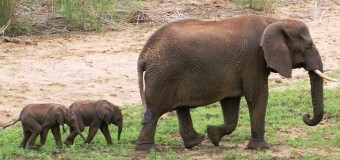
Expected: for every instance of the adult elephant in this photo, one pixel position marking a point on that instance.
(98, 115)
(38, 119)
(190, 63)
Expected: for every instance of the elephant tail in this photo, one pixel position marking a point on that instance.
(11, 123)
(146, 112)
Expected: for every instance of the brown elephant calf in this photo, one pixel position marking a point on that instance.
(97, 115)
(38, 119)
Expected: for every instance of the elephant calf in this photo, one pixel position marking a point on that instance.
(97, 115)
(37, 119)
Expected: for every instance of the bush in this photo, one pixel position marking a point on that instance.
(34, 16)
(92, 14)
(258, 5)
(6, 13)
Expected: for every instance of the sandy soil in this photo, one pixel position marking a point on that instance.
(73, 66)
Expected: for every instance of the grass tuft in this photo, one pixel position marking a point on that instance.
(265, 6)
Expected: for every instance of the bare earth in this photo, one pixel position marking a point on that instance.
(80, 66)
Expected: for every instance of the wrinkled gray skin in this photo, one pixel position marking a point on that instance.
(97, 115)
(190, 63)
(37, 119)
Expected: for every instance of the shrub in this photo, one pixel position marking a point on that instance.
(258, 5)
(6, 13)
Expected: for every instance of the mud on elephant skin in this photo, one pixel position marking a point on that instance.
(190, 63)
(38, 119)
(97, 115)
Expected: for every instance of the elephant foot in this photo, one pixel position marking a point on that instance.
(21, 145)
(68, 142)
(109, 143)
(32, 146)
(257, 144)
(147, 147)
(214, 134)
(189, 143)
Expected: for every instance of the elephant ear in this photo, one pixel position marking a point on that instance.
(104, 112)
(60, 116)
(275, 48)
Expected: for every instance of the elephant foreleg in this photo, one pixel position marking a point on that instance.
(230, 109)
(257, 104)
(43, 136)
(190, 137)
(57, 136)
(104, 128)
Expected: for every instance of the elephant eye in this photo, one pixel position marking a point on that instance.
(308, 44)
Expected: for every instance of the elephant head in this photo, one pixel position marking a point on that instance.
(287, 45)
(110, 114)
(67, 116)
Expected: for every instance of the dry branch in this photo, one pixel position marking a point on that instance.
(2, 29)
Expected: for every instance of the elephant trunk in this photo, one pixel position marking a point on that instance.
(120, 128)
(64, 130)
(78, 132)
(317, 100)
(81, 135)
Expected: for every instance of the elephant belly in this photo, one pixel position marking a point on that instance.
(177, 86)
(199, 96)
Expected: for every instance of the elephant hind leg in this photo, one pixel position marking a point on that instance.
(35, 129)
(26, 136)
(230, 108)
(146, 139)
(190, 137)
(43, 136)
(93, 129)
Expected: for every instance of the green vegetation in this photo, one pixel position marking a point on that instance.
(289, 137)
(258, 5)
(92, 14)
(6, 13)
(37, 15)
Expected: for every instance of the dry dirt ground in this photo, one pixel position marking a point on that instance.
(73, 66)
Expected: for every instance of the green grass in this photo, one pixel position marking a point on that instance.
(258, 5)
(288, 136)
(33, 16)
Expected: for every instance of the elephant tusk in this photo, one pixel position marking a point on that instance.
(324, 76)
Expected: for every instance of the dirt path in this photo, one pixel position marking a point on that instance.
(62, 69)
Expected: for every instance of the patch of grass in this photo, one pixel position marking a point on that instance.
(230, 154)
(57, 84)
(7, 8)
(285, 132)
(33, 16)
(312, 156)
(258, 5)
(21, 26)
(335, 139)
(93, 14)
(5, 95)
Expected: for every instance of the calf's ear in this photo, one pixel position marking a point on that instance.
(60, 117)
(104, 112)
